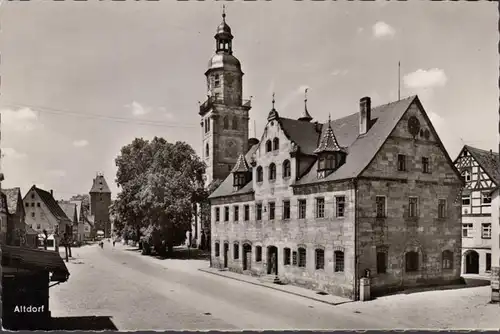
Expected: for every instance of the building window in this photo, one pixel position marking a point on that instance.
(381, 262)
(32, 205)
(411, 259)
(339, 261)
(340, 206)
(380, 203)
(258, 253)
(247, 212)
(286, 209)
(32, 215)
(302, 208)
(272, 209)
(276, 144)
(217, 80)
(465, 199)
(287, 171)
(413, 207)
(272, 172)
(294, 258)
(466, 175)
(488, 261)
(320, 259)
(447, 259)
(401, 162)
(269, 146)
(258, 211)
(320, 208)
(32, 196)
(27, 205)
(207, 124)
(260, 174)
(217, 214)
(207, 151)
(287, 253)
(486, 230)
(236, 251)
(217, 249)
(467, 230)
(38, 226)
(226, 213)
(38, 204)
(235, 124)
(302, 257)
(226, 122)
(425, 165)
(442, 208)
(236, 213)
(485, 198)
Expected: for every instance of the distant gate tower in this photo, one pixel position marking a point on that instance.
(100, 201)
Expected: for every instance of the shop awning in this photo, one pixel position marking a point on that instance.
(36, 259)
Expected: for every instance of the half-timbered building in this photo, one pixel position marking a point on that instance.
(480, 171)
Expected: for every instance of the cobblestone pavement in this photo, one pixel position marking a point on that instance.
(141, 292)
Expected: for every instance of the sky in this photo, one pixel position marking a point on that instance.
(79, 80)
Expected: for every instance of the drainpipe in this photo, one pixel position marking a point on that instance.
(356, 248)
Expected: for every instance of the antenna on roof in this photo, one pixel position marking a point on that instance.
(399, 80)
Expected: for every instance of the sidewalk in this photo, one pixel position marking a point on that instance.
(291, 289)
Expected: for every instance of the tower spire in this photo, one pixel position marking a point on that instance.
(224, 13)
(273, 101)
(305, 116)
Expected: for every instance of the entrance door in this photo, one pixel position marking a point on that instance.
(226, 254)
(247, 257)
(472, 263)
(272, 260)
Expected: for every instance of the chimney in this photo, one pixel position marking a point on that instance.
(51, 192)
(365, 109)
(317, 127)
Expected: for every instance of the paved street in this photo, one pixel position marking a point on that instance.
(141, 292)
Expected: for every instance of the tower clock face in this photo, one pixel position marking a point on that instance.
(231, 149)
(413, 125)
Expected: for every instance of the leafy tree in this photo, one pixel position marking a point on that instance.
(206, 212)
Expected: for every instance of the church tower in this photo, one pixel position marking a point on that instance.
(224, 114)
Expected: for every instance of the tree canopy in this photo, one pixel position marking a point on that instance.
(159, 183)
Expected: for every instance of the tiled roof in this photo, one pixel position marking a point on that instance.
(69, 209)
(226, 187)
(37, 259)
(52, 205)
(99, 185)
(241, 165)
(13, 196)
(489, 161)
(328, 142)
(362, 149)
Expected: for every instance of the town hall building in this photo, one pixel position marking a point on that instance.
(323, 204)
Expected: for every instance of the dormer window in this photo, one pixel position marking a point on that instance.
(239, 180)
(327, 162)
(330, 155)
(269, 146)
(241, 173)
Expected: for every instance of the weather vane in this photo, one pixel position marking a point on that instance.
(305, 94)
(224, 12)
(273, 101)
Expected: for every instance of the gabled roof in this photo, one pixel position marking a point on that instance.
(100, 185)
(241, 165)
(328, 142)
(362, 149)
(13, 196)
(488, 160)
(51, 204)
(68, 208)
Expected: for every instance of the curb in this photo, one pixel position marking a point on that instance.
(272, 287)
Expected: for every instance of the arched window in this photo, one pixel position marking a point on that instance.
(236, 251)
(235, 124)
(217, 249)
(207, 151)
(260, 174)
(447, 259)
(226, 122)
(268, 146)
(276, 144)
(320, 258)
(411, 259)
(287, 172)
(339, 261)
(208, 125)
(272, 172)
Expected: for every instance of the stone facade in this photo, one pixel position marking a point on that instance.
(38, 215)
(100, 201)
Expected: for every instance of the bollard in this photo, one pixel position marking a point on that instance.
(364, 289)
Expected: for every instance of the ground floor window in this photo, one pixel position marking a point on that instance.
(411, 259)
(339, 261)
(488, 261)
(286, 256)
(447, 259)
(236, 251)
(302, 257)
(381, 262)
(320, 259)
(294, 258)
(217, 249)
(258, 253)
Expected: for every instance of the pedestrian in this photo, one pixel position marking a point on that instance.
(114, 243)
